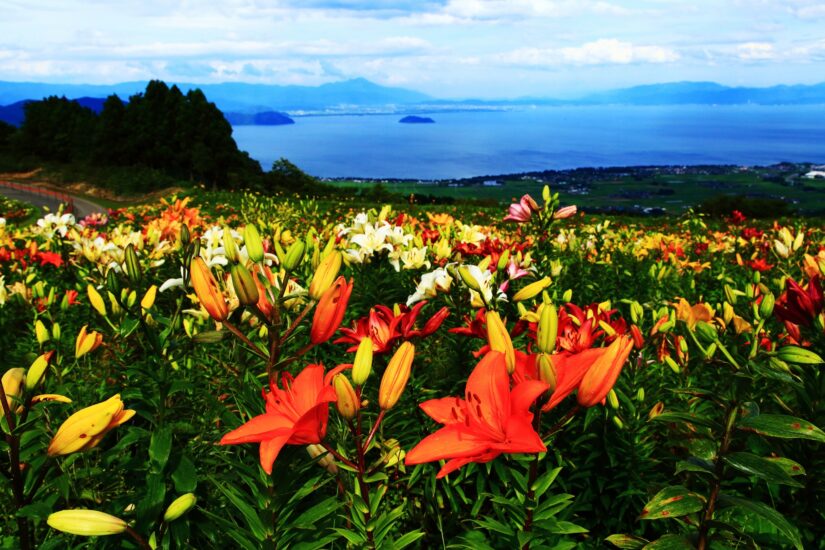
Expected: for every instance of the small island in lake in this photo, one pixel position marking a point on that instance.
(266, 118)
(412, 119)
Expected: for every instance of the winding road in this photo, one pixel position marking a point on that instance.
(39, 196)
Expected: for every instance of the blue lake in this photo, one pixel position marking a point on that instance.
(463, 144)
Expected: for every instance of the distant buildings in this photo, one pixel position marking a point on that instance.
(815, 174)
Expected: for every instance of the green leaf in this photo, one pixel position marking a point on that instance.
(320, 510)
(405, 540)
(669, 542)
(789, 466)
(544, 482)
(626, 542)
(36, 510)
(249, 513)
(694, 464)
(671, 502)
(160, 447)
(780, 425)
(352, 537)
(687, 418)
(758, 466)
(767, 513)
(185, 476)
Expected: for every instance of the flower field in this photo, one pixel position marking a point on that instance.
(240, 371)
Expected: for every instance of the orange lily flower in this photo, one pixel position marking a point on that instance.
(295, 415)
(603, 373)
(330, 311)
(207, 290)
(491, 420)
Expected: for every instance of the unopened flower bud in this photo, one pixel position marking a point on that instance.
(325, 275)
(86, 523)
(13, 380)
(636, 312)
(362, 365)
(613, 399)
(766, 307)
(230, 248)
(294, 255)
(96, 300)
(185, 235)
(532, 290)
(244, 284)
(347, 402)
(206, 288)
(254, 244)
(469, 280)
(499, 339)
(503, 260)
(180, 506)
(133, 270)
(396, 376)
(327, 461)
(706, 332)
(548, 328)
(148, 299)
(41, 332)
(37, 371)
(547, 371)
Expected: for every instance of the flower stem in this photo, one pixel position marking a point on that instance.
(707, 517)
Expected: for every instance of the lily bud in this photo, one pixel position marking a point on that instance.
(706, 332)
(85, 429)
(148, 299)
(133, 270)
(766, 307)
(347, 402)
(180, 506)
(396, 376)
(325, 275)
(254, 244)
(12, 381)
(730, 295)
(37, 370)
(206, 288)
(503, 260)
(294, 255)
(41, 332)
(548, 328)
(613, 399)
(86, 523)
(637, 313)
(330, 311)
(362, 365)
(244, 284)
(86, 342)
(327, 461)
(96, 300)
(567, 296)
(532, 290)
(230, 248)
(185, 235)
(469, 280)
(547, 371)
(603, 373)
(499, 339)
(56, 331)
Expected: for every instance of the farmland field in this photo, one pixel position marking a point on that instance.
(248, 371)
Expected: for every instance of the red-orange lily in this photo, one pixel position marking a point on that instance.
(330, 311)
(492, 419)
(295, 415)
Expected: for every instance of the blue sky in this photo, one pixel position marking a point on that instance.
(447, 48)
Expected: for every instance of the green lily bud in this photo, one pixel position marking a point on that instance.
(185, 235)
(294, 255)
(41, 332)
(503, 260)
(362, 365)
(706, 332)
(230, 248)
(244, 284)
(86, 523)
(133, 270)
(766, 307)
(548, 328)
(254, 244)
(180, 506)
(797, 355)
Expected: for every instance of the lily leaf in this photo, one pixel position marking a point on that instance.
(671, 502)
(783, 426)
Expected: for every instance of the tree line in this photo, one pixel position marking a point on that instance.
(183, 136)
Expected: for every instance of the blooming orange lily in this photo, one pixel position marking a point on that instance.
(295, 415)
(330, 311)
(492, 419)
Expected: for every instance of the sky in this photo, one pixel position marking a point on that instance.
(445, 48)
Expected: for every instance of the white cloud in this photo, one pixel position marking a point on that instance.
(756, 51)
(604, 51)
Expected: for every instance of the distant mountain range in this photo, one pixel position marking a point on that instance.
(266, 104)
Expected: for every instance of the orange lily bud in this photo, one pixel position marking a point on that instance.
(638, 339)
(330, 311)
(86, 523)
(86, 342)
(362, 365)
(84, 429)
(395, 376)
(347, 403)
(206, 288)
(499, 339)
(603, 373)
(325, 275)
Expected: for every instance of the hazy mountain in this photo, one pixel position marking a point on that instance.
(15, 113)
(710, 93)
(237, 97)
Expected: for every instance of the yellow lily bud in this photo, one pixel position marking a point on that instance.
(206, 288)
(57, 398)
(503, 260)
(469, 280)
(56, 331)
(362, 365)
(396, 376)
(254, 244)
(180, 506)
(41, 332)
(84, 429)
(230, 248)
(532, 290)
(548, 328)
(149, 298)
(499, 339)
(613, 399)
(86, 342)
(86, 523)
(13, 380)
(327, 461)
(325, 275)
(96, 300)
(547, 371)
(37, 371)
(347, 403)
